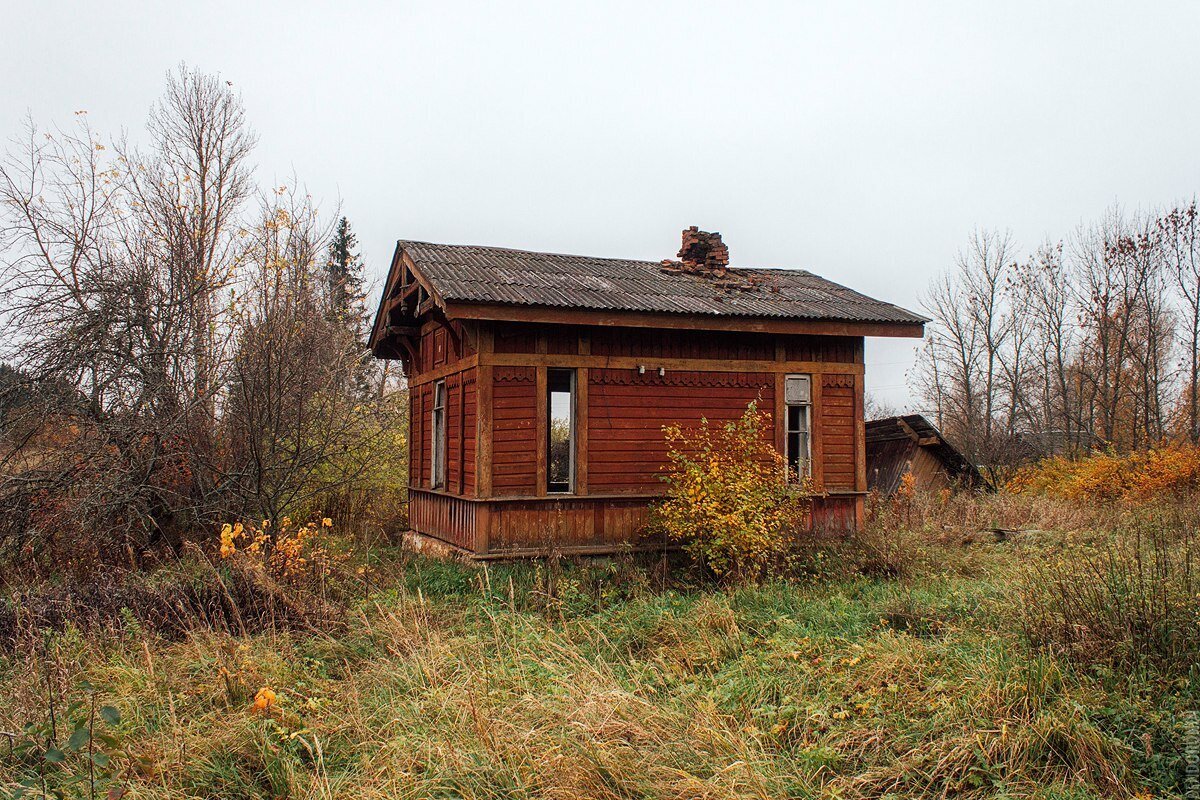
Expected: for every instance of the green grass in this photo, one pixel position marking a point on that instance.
(601, 681)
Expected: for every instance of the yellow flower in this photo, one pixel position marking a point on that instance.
(327, 523)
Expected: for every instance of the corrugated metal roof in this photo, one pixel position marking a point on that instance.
(473, 274)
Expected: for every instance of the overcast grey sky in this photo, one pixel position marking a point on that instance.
(861, 141)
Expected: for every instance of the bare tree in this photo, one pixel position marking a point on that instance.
(1179, 230)
(184, 363)
(115, 270)
(1044, 296)
(1071, 347)
(298, 422)
(972, 370)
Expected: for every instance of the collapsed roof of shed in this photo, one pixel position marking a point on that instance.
(893, 444)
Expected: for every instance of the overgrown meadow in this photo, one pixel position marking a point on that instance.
(930, 656)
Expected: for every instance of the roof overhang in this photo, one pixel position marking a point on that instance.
(553, 315)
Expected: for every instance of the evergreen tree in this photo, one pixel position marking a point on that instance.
(347, 297)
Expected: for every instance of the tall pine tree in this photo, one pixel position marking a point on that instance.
(347, 297)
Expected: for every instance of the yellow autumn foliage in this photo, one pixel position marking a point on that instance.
(1138, 477)
(728, 500)
(290, 553)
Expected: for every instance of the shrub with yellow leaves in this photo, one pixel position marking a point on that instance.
(728, 498)
(290, 553)
(1138, 477)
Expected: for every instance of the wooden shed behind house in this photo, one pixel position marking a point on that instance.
(910, 443)
(540, 383)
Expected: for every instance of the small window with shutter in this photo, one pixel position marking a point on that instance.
(798, 399)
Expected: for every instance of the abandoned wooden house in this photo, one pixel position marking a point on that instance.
(911, 445)
(540, 384)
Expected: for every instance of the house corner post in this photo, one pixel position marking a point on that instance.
(483, 440)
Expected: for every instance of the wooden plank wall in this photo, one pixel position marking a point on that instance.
(451, 519)
(470, 406)
(834, 514)
(460, 432)
(621, 420)
(837, 421)
(514, 442)
(683, 344)
(440, 346)
(627, 411)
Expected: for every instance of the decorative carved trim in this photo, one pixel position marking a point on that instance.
(514, 374)
(631, 377)
(834, 381)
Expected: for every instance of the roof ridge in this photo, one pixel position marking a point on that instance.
(523, 251)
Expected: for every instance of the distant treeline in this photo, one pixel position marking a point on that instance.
(1092, 342)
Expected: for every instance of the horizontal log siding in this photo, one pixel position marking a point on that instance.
(514, 445)
(626, 446)
(836, 416)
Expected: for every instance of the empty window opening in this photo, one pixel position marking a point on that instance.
(798, 397)
(439, 435)
(560, 430)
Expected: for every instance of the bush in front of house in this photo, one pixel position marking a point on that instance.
(728, 500)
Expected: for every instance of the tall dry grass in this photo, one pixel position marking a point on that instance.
(614, 679)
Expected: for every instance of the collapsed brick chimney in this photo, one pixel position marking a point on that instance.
(703, 253)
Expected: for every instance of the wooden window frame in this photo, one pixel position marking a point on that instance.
(573, 417)
(804, 406)
(437, 471)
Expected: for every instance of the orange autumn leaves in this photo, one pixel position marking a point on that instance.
(265, 699)
(1139, 477)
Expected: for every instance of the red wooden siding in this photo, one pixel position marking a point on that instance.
(627, 412)
(622, 429)
(514, 445)
(675, 344)
(451, 519)
(837, 431)
(415, 450)
(682, 344)
(565, 523)
(461, 408)
(830, 349)
(525, 338)
(834, 514)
